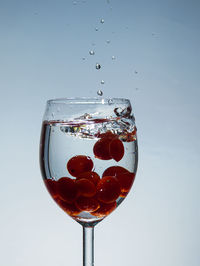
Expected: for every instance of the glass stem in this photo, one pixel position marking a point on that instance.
(88, 246)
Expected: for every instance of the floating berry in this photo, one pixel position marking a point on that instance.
(108, 189)
(67, 189)
(105, 209)
(92, 176)
(79, 164)
(85, 187)
(51, 187)
(102, 149)
(116, 149)
(87, 204)
(109, 147)
(70, 209)
(114, 171)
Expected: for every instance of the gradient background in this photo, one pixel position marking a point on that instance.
(42, 44)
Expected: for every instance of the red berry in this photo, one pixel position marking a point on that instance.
(86, 187)
(116, 149)
(105, 209)
(109, 147)
(92, 176)
(102, 149)
(87, 204)
(114, 171)
(124, 177)
(126, 181)
(108, 189)
(70, 209)
(79, 164)
(67, 189)
(51, 187)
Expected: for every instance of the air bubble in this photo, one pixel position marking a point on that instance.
(83, 58)
(108, 41)
(135, 72)
(91, 52)
(100, 93)
(74, 3)
(110, 101)
(102, 20)
(96, 29)
(102, 81)
(113, 57)
(98, 66)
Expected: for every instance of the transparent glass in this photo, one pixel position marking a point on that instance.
(88, 159)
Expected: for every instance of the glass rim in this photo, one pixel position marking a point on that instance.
(88, 100)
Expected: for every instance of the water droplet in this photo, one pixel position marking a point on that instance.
(113, 57)
(96, 29)
(91, 52)
(102, 20)
(53, 115)
(135, 72)
(108, 41)
(98, 66)
(102, 81)
(100, 93)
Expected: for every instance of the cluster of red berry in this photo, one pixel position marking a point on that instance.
(88, 192)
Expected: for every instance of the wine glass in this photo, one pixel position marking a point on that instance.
(88, 159)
